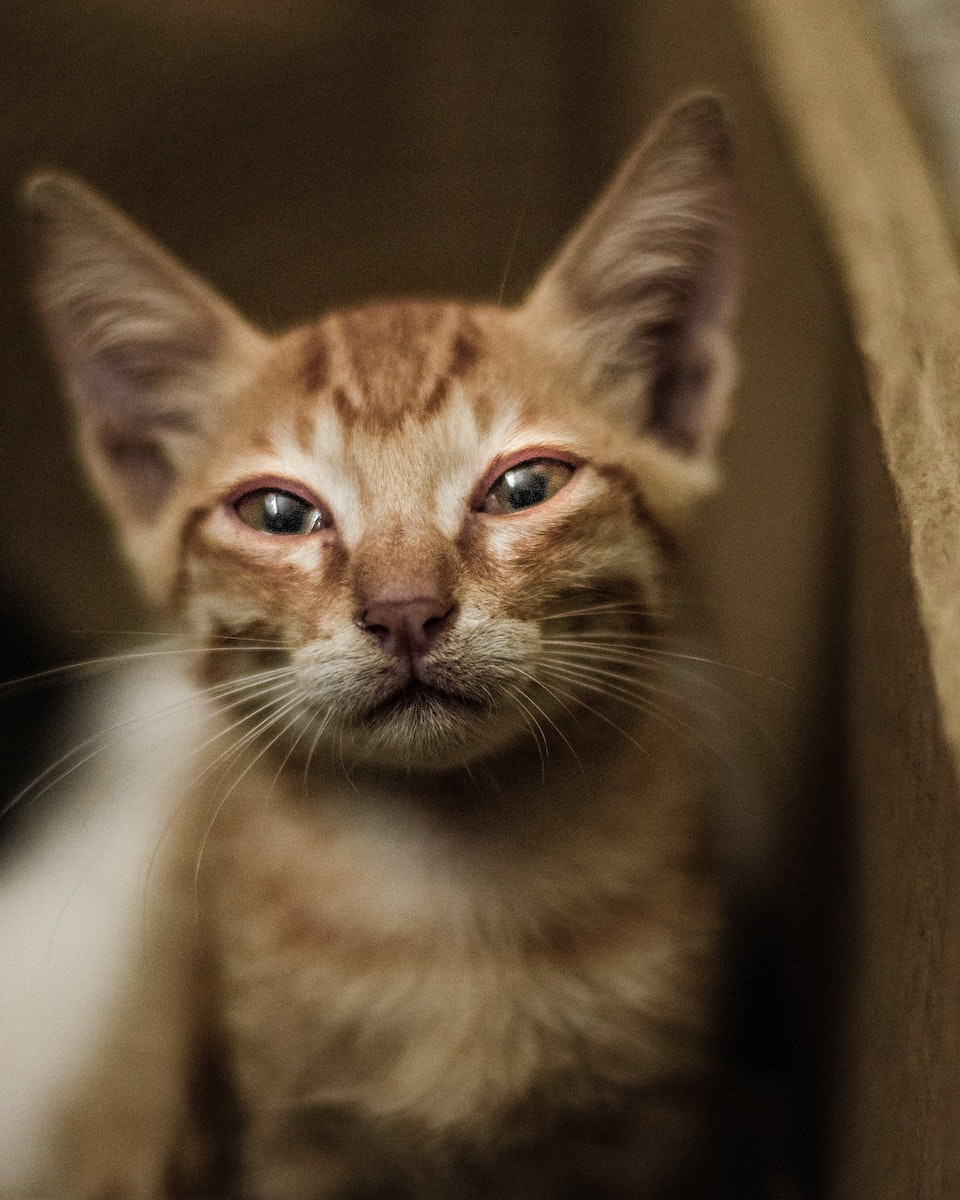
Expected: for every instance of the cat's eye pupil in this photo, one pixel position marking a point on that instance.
(526, 485)
(271, 510)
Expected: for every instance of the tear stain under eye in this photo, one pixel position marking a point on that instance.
(285, 584)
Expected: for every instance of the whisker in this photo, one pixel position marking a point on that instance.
(622, 607)
(92, 667)
(695, 735)
(107, 739)
(587, 665)
(515, 239)
(341, 761)
(580, 674)
(299, 708)
(188, 786)
(231, 752)
(74, 759)
(599, 640)
(546, 715)
(642, 687)
(620, 692)
(85, 667)
(200, 639)
(246, 683)
(313, 746)
(285, 707)
(613, 638)
(747, 717)
(306, 708)
(590, 652)
(577, 699)
(520, 698)
(685, 664)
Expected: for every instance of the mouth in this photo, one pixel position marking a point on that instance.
(429, 726)
(418, 699)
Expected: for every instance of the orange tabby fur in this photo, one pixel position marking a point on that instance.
(463, 942)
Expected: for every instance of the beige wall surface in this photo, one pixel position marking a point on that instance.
(896, 1107)
(897, 1103)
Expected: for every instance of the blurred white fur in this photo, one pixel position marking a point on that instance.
(72, 901)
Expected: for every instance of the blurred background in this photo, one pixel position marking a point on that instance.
(304, 154)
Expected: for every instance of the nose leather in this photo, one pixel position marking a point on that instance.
(409, 627)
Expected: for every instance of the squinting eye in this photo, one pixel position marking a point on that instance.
(526, 484)
(273, 511)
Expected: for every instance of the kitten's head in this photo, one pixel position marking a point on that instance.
(423, 524)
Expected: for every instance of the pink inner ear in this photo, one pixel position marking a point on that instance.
(134, 387)
(142, 470)
(643, 291)
(133, 397)
(679, 396)
(147, 391)
(145, 346)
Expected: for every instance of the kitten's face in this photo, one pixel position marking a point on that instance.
(414, 532)
(413, 507)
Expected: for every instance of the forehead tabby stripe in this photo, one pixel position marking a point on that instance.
(378, 364)
(465, 348)
(435, 400)
(463, 354)
(346, 410)
(315, 371)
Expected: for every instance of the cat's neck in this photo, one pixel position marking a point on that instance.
(551, 776)
(544, 836)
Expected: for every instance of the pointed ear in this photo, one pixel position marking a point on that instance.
(146, 349)
(639, 300)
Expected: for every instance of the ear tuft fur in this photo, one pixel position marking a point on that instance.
(639, 301)
(144, 346)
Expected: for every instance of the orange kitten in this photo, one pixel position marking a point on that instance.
(428, 906)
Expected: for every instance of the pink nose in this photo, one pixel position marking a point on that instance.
(408, 628)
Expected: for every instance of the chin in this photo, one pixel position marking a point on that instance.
(426, 731)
